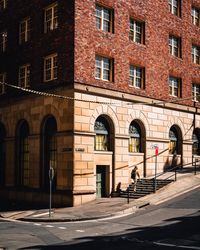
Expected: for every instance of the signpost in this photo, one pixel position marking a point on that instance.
(156, 160)
(155, 146)
(51, 176)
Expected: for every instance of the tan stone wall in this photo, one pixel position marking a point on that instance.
(157, 122)
(34, 109)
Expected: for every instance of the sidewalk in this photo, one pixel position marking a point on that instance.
(108, 207)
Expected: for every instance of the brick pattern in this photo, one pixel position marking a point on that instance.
(154, 55)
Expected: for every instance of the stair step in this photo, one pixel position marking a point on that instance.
(143, 188)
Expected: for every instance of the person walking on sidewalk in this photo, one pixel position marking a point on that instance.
(135, 176)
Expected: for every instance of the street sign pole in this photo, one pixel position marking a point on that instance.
(50, 194)
(51, 176)
(156, 161)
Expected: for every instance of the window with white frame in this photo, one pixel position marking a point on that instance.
(174, 86)
(3, 4)
(50, 67)
(195, 91)
(24, 31)
(136, 32)
(136, 76)
(51, 18)
(104, 18)
(2, 81)
(195, 16)
(103, 68)
(175, 46)
(3, 41)
(195, 54)
(24, 75)
(175, 7)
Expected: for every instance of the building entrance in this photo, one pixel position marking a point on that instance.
(101, 181)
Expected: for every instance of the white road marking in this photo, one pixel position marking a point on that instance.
(37, 224)
(80, 231)
(178, 246)
(49, 226)
(62, 228)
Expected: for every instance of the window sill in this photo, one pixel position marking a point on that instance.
(135, 154)
(176, 57)
(103, 152)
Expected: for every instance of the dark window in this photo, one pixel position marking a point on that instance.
(175, 140)
(196, 142)
(23, 167)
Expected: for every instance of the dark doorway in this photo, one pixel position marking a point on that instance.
(101, 181)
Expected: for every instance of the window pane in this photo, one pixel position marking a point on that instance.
(103, 18)
(136, 76)
(51, 18)
(103, 68)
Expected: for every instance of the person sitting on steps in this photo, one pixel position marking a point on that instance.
(135, 176)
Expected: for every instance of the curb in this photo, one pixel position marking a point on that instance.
(51, 219)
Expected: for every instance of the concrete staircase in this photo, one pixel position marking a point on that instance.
(144, 187)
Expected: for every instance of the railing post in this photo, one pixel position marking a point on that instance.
(175, 173)
(128, 195)
(195, 166)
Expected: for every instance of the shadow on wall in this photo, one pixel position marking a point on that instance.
(172, 162)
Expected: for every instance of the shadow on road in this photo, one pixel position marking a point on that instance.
(181, 231)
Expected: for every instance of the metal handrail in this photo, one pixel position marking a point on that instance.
(161, 174)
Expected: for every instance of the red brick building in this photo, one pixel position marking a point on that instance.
(112, 80)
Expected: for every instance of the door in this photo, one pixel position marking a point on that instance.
(100, 181)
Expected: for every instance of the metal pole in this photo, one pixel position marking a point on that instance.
(50, 194)
(128, 195)
(175, 173)
(155, 182)
(195, 167)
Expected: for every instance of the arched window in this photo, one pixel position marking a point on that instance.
(49, 150)
(102, 137)
(196, 142)
(135, 138)
(2, 155)
(174, 141)
(23, 167)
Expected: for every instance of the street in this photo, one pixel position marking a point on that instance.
(171, 225)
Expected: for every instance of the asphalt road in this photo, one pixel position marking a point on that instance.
(172, 225)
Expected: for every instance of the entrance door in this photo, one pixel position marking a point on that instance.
(101, 181)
